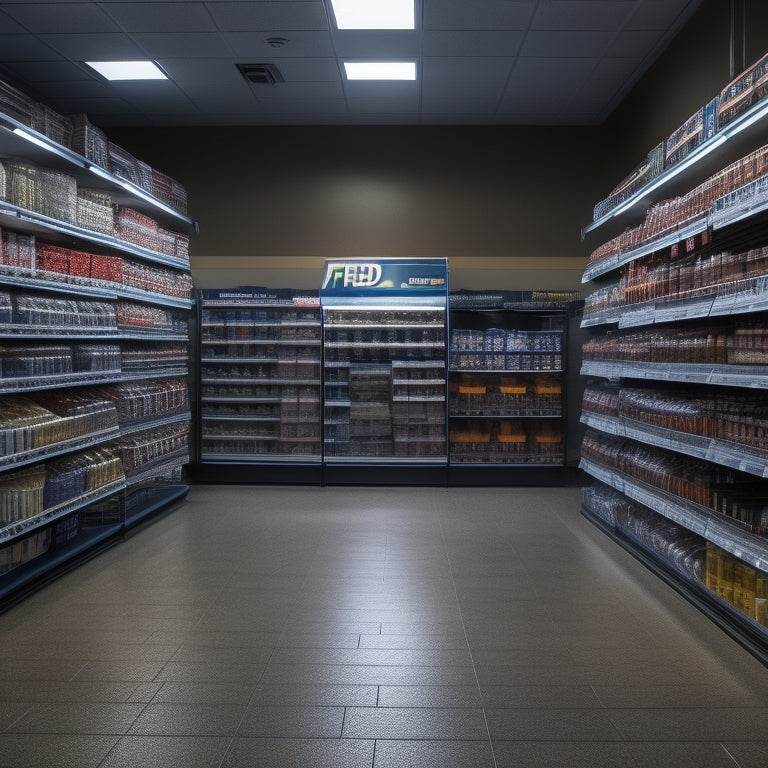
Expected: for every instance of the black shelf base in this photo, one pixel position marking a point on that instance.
(734, 623)
(242, 473)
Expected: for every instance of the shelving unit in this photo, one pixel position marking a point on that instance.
(93, 361)
(674, 415)
(259, 402)
(506, 393)
(384, 371)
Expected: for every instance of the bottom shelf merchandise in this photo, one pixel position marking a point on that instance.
(727, 578)
(505, 441)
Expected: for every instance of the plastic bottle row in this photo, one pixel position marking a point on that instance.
(667, 215)
(717, 488)
(743, 343)
(26, 255)
(662, 278)
(30, 423)
(737, 417)
(29, 492)
(30, 313)
(57, 195)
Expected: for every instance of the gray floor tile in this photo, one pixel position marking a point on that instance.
(167, 751)
(544, 696)
(552, 725)
(414, 723)
(210, 672)
(702, 724)
(202, 693)
(280, 753)
(567, 754)
(61, 691)
(77, 718)
(463, 696)
(747, 754)
(456, 641)
(185, 719)
(292, 722)
(685, 755)
(302, 694)
(434, 754)
(53, 750)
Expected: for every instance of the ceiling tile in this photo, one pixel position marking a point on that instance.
(565, 43)
(161, 16)
(476, 70)
(94, 47)
(490, 14)
(23, 48)
(169, 45)
(269, 15)
(472, 43)
(456, 97)
(582, 14)
(308, 70)
(636, 43)
(657, 14)
(41, 18)
(9, 25)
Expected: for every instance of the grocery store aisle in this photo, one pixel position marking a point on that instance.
(257, 627)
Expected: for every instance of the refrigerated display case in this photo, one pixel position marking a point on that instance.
(259, 385)
(507, 389)
(384, 371)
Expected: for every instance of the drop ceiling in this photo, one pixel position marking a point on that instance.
(488, 62)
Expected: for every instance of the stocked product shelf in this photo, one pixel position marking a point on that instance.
(21, 220)
(752, 461)
(710, 525)
(23, 458)
(14, 529)
(19, 140)
(739, 136)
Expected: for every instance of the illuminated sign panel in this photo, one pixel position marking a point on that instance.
(386, 276)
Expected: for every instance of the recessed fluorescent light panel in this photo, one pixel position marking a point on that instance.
(128, 70)
(374, 14)
(380, 70)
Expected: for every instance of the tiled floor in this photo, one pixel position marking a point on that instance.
(373, 628)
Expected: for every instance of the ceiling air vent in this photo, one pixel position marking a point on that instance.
(261, 74)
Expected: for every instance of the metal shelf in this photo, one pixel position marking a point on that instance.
(730, 143)
(52, 450)
(19, 140)
(21, 220)
(711, 525)
(746, 376)
(743, 458)
(18, 527)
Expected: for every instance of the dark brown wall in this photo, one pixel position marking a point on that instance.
(380, 191)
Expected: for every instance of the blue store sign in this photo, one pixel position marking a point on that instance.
(363, 277)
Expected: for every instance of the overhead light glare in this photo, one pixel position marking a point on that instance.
(374, 14)
(128, 70)
(380, 70)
